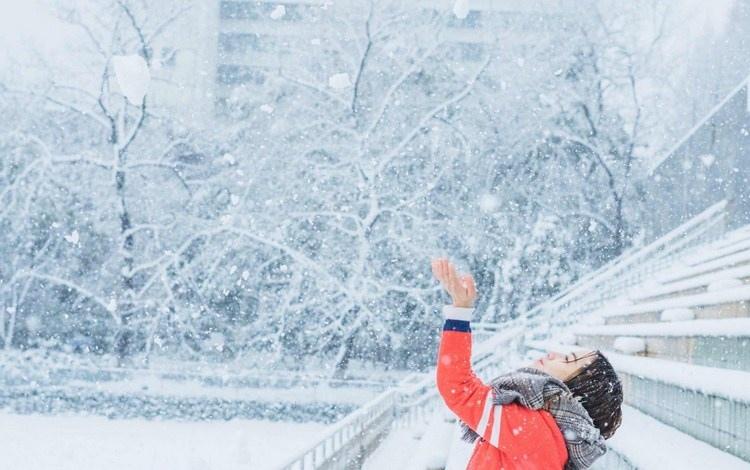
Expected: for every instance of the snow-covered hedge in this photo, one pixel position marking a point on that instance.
(53, 400)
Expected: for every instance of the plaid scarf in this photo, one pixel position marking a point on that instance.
(536, 390)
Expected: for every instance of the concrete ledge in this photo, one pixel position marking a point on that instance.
(737, 309)
(714, 351)
(695, 301)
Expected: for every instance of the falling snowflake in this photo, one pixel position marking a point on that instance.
(461, 9)
(73, 237)
(489, 203)
(707, 159)
(339, 81)
(133, 76)
(278, 12)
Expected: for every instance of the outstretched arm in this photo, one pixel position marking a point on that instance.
(463, 392)
(518, 432)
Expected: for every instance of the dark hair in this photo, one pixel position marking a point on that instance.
(600, 392)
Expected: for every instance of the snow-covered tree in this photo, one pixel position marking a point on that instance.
(298, 227)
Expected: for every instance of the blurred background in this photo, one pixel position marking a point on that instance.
(217, 219)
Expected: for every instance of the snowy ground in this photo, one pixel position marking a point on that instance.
(34, 442)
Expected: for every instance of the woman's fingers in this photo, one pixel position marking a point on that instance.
(452, 277)
(459, 286)
(438, 270)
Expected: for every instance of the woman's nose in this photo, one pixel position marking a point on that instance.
(552, 355)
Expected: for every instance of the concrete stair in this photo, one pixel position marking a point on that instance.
(715, 343)
(729, 303)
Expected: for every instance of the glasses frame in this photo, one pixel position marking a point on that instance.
(595, 353)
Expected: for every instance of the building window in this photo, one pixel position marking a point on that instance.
(238, 11)
(229, 74)
(239, 43)
(249, 10)
(472, 20)
(465, 52)
(471, 52)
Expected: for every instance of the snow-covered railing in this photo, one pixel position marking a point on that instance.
(628, 270)
(348, 442)
(484, 330)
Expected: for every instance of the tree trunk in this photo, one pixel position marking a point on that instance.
(125, 336)
(344, 355)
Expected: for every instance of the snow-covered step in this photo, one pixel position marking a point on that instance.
(418, 447)
(735, 236)
(645, 443)
(710, 404)
(680, 272)
(698, 284)
(708, 254)
(726, 303)
(716, 343)
(395, 450)
(724, 244)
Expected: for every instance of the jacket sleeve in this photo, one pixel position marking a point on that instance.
(514, 429)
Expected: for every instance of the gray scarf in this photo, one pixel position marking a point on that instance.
(533, 388)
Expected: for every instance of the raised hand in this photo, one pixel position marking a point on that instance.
(460, 287)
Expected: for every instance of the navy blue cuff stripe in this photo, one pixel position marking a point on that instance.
(457, 325)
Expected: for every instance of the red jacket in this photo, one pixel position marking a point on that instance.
(513, 436)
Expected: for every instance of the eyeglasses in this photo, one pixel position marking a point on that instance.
(578, 358)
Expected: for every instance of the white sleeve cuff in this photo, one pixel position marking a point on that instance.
(457, 313)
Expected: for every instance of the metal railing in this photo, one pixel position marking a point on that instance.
(345, 445)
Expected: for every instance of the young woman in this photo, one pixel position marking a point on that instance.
(551, 415)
